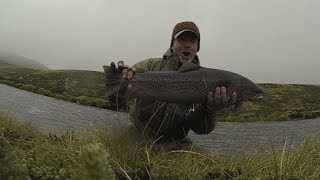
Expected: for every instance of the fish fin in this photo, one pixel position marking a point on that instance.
(139, 70)
(106, 68)
(133, 92)
(114, 81)
(237, 106)
(185, 67)
(112, 90)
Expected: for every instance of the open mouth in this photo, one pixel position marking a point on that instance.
(186, 54)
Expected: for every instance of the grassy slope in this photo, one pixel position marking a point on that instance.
(282, 102)
(25, 153)
(15, 59)
(84, 87)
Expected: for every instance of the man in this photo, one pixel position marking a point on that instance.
(167, 121)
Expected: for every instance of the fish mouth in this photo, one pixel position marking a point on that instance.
(258, 96)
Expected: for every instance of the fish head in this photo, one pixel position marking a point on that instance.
(251, 91)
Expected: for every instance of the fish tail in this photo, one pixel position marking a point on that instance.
(115, 84)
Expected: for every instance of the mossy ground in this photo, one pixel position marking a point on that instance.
(281, 102)
(82, 87)
(27, 153)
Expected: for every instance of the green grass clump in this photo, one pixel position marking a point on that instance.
(26, 153)
(281, 102)
(10, 166)
(38, 156)
(95, 164)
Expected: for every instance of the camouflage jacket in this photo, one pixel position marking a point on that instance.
(168, 121)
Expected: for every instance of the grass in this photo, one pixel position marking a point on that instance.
(82, 87)
(282, 102)
(27, 153)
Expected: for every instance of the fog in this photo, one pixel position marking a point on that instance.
(275, 41)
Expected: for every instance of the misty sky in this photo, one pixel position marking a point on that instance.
(274, 41)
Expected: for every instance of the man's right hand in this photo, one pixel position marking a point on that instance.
(126, 71)
(116, 94)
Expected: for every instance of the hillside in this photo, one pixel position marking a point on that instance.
(282, 101)
(18, 60)
(83, 87)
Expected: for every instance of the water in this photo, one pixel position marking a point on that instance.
(51, 114)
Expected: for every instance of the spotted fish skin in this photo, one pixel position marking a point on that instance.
(193, 86)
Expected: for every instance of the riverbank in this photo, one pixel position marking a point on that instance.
(52, 115)
(282, 102)
(25, 152)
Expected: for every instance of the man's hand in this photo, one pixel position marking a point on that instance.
(126, 71)
(219, 99)
(115, 92)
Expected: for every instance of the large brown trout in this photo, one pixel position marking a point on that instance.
(185, 87)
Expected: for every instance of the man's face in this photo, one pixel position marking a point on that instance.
(186, 46)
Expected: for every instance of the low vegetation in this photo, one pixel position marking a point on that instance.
(282, 101)
(82, 87)
(27, 153)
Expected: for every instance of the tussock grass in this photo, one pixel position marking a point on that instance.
(281, 102)
(27, 153)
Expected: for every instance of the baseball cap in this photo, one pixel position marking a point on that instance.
(185, 26)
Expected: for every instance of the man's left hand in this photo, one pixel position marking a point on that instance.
(219, 99)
